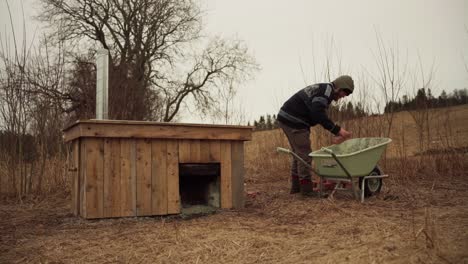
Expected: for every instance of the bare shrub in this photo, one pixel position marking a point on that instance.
(263, 163)
(391, 76)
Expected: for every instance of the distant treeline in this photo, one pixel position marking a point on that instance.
(27, 147)
(9, 146)
(423, 100)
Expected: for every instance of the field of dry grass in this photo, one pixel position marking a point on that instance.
(421, 215)
(425, 225)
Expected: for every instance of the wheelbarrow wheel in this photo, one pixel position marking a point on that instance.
(372, 186)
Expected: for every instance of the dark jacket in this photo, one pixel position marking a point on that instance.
(308, 107)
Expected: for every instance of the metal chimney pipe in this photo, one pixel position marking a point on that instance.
(102, 83)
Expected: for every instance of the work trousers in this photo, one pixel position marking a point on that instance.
(299, 140)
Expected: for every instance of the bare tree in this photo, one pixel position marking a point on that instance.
(391, 76)
(31, 108)
(465, 62)
(13, 106)
(148, 40)
(45, 75)
(227, 109)
(422, 86)
(220, 64)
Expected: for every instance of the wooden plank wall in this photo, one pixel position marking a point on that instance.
(127, 165)
(74, 163)
(94, 181)
(143, 177)
(226, 175)
(237, 179)
(172, 174)
(140, 177)
(158, 177)
(199, 151)
(112, 204)
(81, 175)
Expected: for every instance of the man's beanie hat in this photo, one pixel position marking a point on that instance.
(344, 82)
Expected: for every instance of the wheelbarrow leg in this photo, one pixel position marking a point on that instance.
(355, 190)
(362, 189)
(350, 178)
(320, 185)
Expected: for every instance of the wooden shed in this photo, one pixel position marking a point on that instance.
(135, 168)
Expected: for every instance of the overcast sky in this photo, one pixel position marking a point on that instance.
(291, 39)
(288, 37)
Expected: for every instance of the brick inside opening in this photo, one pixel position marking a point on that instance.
(199, 184)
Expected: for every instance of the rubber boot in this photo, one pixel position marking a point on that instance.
(295, 186)
(307, 190)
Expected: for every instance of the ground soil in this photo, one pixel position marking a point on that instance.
(422, 221)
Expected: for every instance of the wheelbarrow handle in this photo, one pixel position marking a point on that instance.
(284, 150)
(287, 151)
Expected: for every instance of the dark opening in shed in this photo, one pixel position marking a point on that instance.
(199, 184)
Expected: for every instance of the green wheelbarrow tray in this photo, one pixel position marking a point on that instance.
(358, 157)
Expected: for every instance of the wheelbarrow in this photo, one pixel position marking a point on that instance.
(343, 165)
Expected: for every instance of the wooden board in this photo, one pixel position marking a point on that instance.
(73, 168)
(198, 151)
(195, 151)
(112, 179)
(143, 175)
(94, 192)
(107, 179)
(159, 177)
(237, 175)
(215, 150)
(69, 174)
(173, 195)
(205, 152)
(156, 130)
(127, 177)
(133, 175)
(226, 170)
(82, 173)
(184, 151)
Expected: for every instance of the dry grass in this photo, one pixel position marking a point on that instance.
(424, 223)
(421, 216)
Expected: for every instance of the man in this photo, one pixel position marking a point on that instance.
(306, 109)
